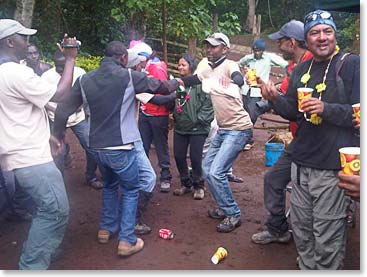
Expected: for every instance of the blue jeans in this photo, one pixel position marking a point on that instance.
(222, 152)
(44, 183)
(13, 199)
(147, 176)
(120, 168)
(81, 132)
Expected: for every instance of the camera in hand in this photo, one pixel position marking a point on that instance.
(65, 45)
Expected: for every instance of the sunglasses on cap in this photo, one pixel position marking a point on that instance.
(312, 16)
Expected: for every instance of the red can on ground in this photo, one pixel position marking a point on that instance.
(166, 234)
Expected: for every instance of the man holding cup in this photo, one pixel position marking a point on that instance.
(318, 205)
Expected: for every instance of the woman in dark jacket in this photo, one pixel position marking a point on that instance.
(192, 115)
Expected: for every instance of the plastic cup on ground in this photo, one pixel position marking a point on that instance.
(219, 255)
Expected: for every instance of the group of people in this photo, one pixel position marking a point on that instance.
(126, 102)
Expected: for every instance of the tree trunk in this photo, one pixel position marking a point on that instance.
(250, 16)
(192, 46)
(215, 22)
(164, 31)
(256, 30)
(24, 12)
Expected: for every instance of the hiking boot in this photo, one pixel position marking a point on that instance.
(182, 190)
(229, 224)
(142, 229)
(199, 194)
(234, 178)
(165, 186)
(216, 213)
(103, 236)
(126, 249)
(94, 183)
(265, 237)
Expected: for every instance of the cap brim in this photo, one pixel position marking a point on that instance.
(27, 32)
(275, 36)
(213, 41)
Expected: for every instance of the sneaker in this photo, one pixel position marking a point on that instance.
(126, 249)
(234, 178)
(248, 146)
(199, 194)
(216, 213)
(165, 186)
(229, 224)
(142, 229)
(94, 183)
(182, 190)
(265, 237)
(103, 236)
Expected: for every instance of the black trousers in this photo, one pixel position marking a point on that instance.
(154, 129)
(275, 181)
(181, 144)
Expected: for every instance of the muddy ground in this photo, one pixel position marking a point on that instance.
(196, 237)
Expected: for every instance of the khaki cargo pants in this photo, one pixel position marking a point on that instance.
(318, 218)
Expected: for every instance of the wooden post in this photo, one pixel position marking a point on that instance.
(164, 32)
(192, 46)
(256, 28)
(215, 22)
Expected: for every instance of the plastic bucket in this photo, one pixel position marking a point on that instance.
(273, 150)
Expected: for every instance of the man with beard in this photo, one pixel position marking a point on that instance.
(291, 43)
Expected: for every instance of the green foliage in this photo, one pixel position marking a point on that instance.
(97, 22)
(230, 24)
(88, 62)
(347, 29)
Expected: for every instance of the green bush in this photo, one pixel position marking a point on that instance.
(88, 62)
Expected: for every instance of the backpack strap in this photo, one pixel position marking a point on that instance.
(339, 81)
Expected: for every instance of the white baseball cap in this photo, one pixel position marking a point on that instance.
(217, 39)
(10, 27)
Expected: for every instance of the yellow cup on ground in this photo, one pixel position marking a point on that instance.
(350, 160)
(219, 255)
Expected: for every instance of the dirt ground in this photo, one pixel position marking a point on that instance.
(196, 238)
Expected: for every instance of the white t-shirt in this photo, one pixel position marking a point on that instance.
(53, 77)
(227, 102)
(24, 127)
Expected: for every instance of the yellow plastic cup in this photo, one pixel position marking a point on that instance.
(303, 93)
(350, 160)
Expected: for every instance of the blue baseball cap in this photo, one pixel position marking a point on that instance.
(259, 44)
(292, 29)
